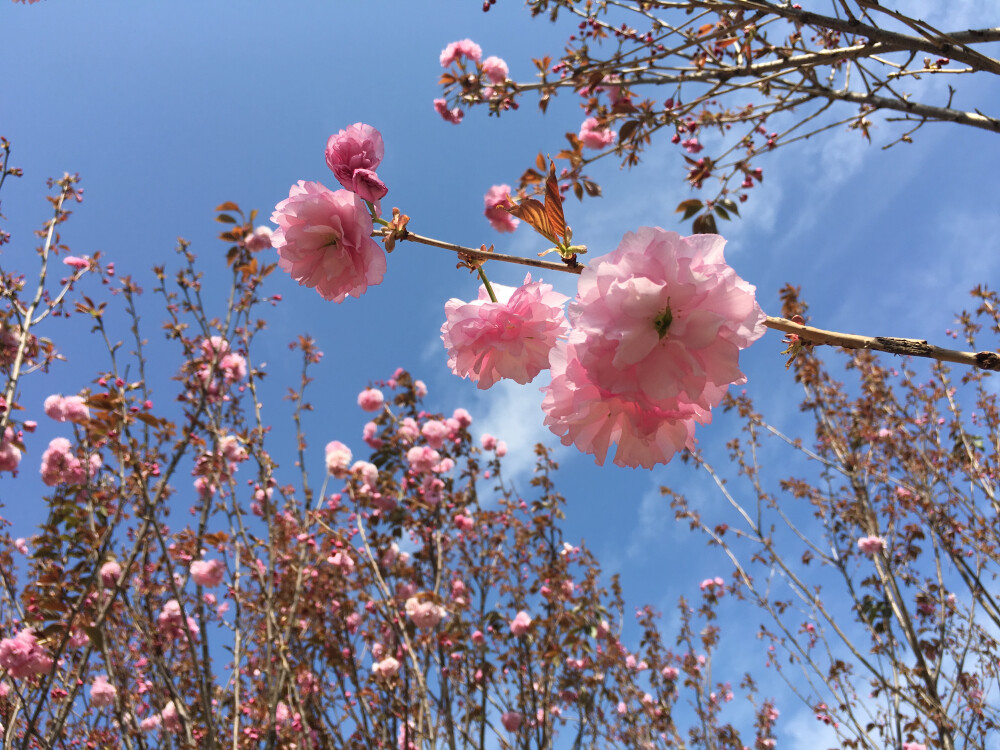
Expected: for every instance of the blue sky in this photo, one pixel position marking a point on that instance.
(168, 109)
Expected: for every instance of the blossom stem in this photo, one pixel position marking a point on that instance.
(486, 283)
(485, 255)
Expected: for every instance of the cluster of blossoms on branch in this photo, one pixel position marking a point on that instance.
(653, 335)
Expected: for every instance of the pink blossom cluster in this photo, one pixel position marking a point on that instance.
(102, 693)
(386, 668)
(324, 241)
(658, 325)
(67, 408)
(457, 51)
(219, 366)
(353, 154)
(871, 545)
(10, 454)
(594, 135)
(209, 573)
(521, 624)
(338, 459)
(23, 656)
(171, 622)
(424, 613)
(510, 338)
(492, 71)
(500, 220)
(60, 464)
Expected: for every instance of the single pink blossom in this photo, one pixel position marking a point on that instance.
(595, 136)
(500, 220)
(369, 435)
(521, 624)
(208, 573)
(495, 69)
(871, 545)
(150, 723)
(510, 338)
(423, 459)
(658, 325)
(914, 746)
(386, 668)
(462, 416)
(511, 720)
(23, 656)
(353, 154)
(171, 622)
(78, 263)
(425, 614)
(420, 388)
(409, 429)
(371, 399)
(454, 115)
(435, 432)
(260, 239)
(110, 572)
(323, 240)
(488, 442)
(367, 472)
(338, 458)
(102, 693)
(458, 50)
(669, 673)
(501, 448)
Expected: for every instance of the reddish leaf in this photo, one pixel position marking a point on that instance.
(627, 129)
(228, 206)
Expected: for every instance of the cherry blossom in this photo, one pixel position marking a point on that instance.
(23, 656)
(871, 545)
(510, 338)
(521, 624)
(323, 240)
(338, 458)
(495, 69)
(353, 154)
(594, 136)
(511, 720)
(424, 614)
(102, 693)
(371, 399)
(208, 572)
(457, 50)
(454, 115)
(500, 220)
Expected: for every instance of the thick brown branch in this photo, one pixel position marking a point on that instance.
(889, 344)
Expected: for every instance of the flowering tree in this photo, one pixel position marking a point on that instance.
(422, 601)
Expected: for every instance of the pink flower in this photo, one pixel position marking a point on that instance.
(323, 240)
(425, 614)
(454, 116)
(371, 399)
(488, 442)
(59, 464)
(511, 721)
(368, 473)
(338, 458)
(595, 136)
(458, 50)
(101, 692)
(22, 656)
(658, 326)
(914, 746)
(171, 719)
(510, 338)
(495, 69)
(419, 388)
(171, 622)
(501, 448)
(423, 459)
(110, 572)
(67, 408)
(871, 545)
(692, 146)
(10, 455)
(714, 586)
(669, 673)
(500, 220)
(368, 434)
(520, 624)
(353, 154)
(386, 668)
(259, 240)
(78, 263)
(208, 572)
(462, 416)
(435, 432)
